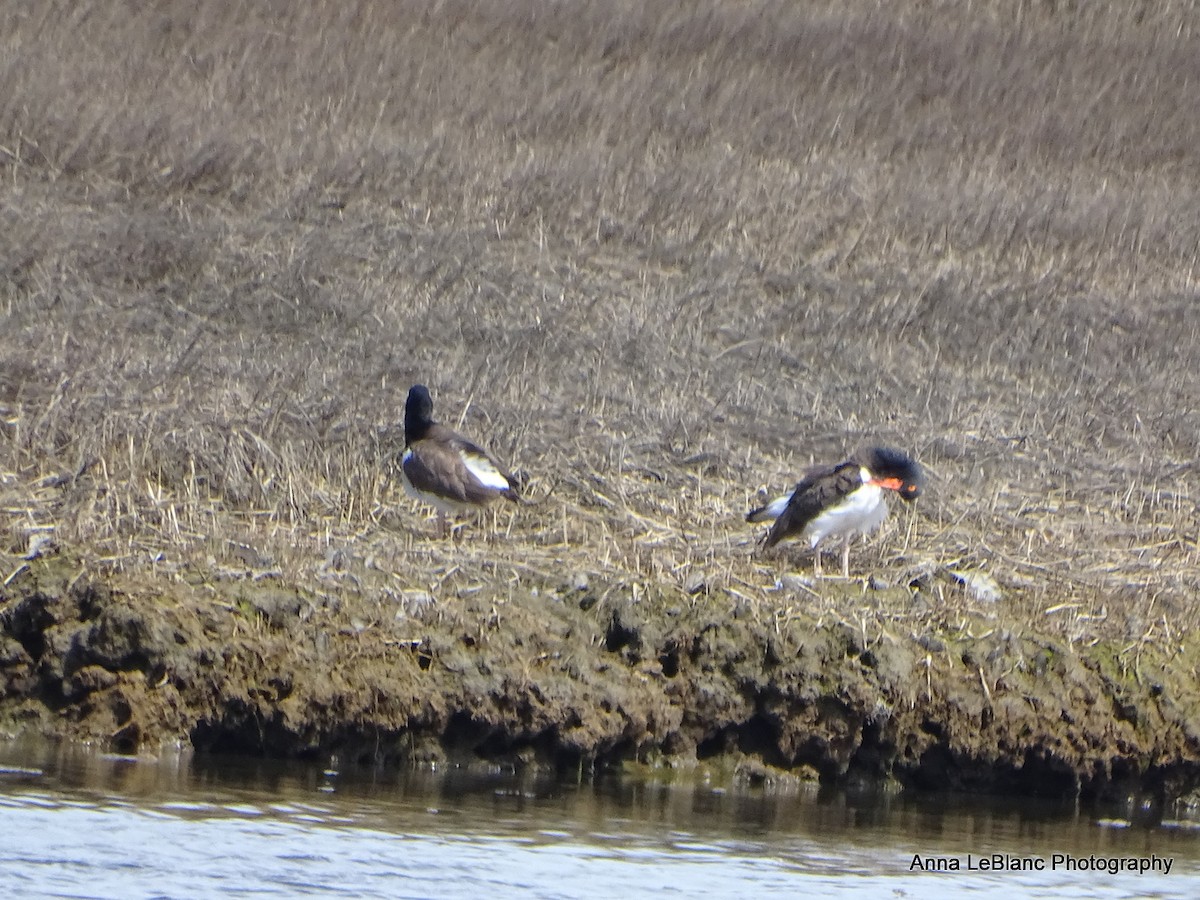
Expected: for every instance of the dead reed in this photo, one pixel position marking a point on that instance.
(658, 258)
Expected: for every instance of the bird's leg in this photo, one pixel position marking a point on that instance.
(817, 562)
(442, 524)
(846, 558)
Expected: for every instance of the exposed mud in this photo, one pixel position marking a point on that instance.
(583, 676)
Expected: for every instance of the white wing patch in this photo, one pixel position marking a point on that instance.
(485, 472)
(773, 510)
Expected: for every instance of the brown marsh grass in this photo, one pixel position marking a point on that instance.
(660, 257)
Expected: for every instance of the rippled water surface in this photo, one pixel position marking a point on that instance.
(80, 824)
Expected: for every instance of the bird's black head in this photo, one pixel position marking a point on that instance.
(418, 413)
(895, 470)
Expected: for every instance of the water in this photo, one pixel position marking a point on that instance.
(75, 823)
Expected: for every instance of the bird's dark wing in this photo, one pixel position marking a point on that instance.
(448, 465)
(820, 488)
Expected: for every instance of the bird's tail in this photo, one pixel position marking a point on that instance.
(770, 512)
(517, 482)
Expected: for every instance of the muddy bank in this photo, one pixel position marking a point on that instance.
(585, 675)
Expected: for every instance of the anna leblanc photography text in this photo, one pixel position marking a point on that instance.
(1056, 862)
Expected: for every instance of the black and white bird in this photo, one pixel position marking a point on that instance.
(444, 469)
(841, 501)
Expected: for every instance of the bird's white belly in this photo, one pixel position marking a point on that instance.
(859, 513)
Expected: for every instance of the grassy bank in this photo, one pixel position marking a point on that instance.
(659, 259)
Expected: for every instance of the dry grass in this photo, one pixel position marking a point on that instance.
(657, 258)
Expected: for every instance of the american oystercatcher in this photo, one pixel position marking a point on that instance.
(842, 500)
(444, 469)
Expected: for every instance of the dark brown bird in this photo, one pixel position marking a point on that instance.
(842, 500)
(444, 469)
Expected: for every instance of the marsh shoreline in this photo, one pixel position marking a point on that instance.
(660, 258)
(590, 677)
